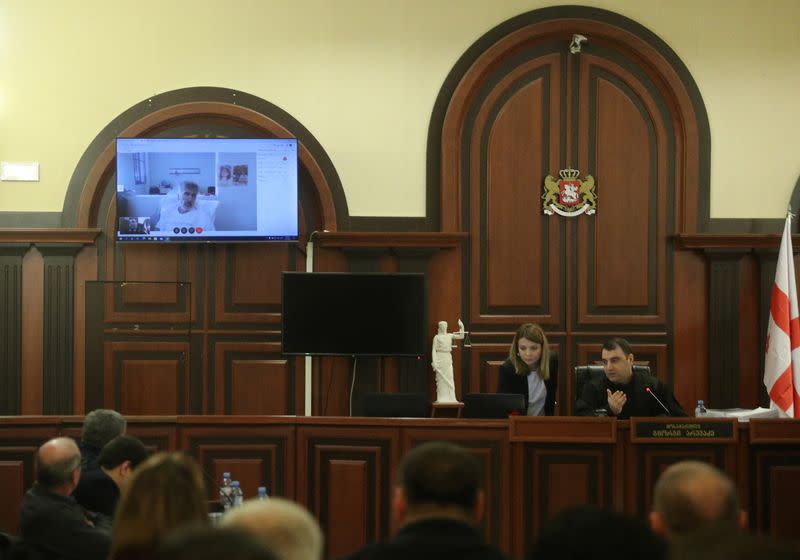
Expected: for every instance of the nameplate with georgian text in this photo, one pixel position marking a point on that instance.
(684, 430)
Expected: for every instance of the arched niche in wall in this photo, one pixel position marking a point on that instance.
(520, 105)
(192, 328)
(505, 52)
(195, 112)
(206, 111)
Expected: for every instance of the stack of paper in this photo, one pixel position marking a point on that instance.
(743, 414)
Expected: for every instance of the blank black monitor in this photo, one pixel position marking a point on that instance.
(493, 405)
(354, 314)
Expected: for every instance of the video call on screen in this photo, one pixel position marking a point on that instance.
(216, 189)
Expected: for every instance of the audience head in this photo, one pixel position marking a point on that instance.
(120, 456)
(691, 494)
(204, 543)
(617, 356)
(101, 426)
(283, 525)
(530, 348)
(165, 492)
(58, 465)
(438, 479)
(588, 532)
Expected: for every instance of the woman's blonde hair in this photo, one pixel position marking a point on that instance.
(165, 492)
(534, 333)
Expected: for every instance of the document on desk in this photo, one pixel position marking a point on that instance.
(743, 414)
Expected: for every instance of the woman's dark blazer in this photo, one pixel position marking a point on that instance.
(510, 382)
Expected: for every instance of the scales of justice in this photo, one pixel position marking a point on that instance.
(442, 361)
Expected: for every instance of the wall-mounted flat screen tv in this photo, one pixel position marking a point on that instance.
(206, 189)
(354, 314)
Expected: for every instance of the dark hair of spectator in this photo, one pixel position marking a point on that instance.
(440, 473)
(101, 426)
(121, 449)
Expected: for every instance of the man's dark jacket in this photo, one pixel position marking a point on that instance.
(58, 527)
(431, 539)
(638, 403)
(97, 492)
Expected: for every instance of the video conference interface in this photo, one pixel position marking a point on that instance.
(214, 189)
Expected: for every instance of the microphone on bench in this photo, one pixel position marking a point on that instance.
(652, 394)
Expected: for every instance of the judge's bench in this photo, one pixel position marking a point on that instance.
(343, 469)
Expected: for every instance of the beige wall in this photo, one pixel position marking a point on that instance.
(362, 76)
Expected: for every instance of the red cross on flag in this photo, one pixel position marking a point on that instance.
(782, 361)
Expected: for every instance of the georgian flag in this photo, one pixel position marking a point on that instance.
(782, 361)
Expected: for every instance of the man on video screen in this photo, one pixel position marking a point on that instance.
(186, 213)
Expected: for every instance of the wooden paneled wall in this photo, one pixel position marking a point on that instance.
(192, 347)
(344, 469)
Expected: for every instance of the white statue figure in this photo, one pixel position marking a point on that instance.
(442, 362)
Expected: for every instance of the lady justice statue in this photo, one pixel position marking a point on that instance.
(442, 361)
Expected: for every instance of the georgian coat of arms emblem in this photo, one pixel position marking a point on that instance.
(570, 196)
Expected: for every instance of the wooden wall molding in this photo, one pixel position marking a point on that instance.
(564, 478)
(252, 378)
(37, 354)
(185, 107)
(59, 320)
(723, 330)
(739, 242)
(18, 445)
(353, 467)
(150, 377)
(389, 240)
(11, 326)
(259, 455)
(69, 236)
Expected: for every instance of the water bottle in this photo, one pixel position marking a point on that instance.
(262, 493)
(700, 410)
(225, 494)
(236, 492)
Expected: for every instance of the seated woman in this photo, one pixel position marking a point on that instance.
(165, 492)
(531, 370)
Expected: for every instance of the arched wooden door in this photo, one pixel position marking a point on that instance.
(527, 106)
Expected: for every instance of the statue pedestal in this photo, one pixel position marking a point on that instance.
(446, 409)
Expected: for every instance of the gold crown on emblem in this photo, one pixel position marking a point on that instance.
(569, 174)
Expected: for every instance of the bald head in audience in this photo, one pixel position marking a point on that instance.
(691, 495)
(58, 464)
(284, 526)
